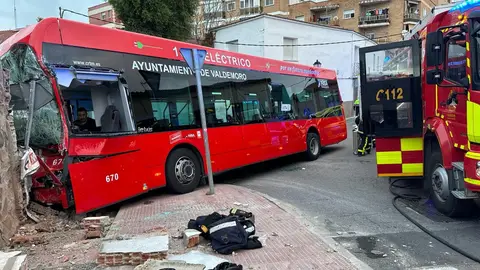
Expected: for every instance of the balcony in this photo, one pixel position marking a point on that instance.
(250, 11)
(372, 2)
(325, 7)
(328, 22)
(411, 18)
(374, 21)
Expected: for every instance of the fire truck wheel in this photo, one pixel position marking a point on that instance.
(183, 171)
(440, 192)
(313, 146)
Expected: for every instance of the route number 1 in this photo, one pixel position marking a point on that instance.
(393, 94)
(111, 177)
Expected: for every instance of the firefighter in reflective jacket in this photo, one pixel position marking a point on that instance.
(364, 147)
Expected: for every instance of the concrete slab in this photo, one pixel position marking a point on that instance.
(197, 257)
(13, 260)
(177, 265)
(137, 245)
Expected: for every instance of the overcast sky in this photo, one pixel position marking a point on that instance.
(29, 10)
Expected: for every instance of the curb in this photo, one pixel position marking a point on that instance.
(315, 229)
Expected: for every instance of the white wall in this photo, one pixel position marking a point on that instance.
(247, 32)
(340, 57)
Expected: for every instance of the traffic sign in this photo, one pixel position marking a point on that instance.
(189, 54)
(195, 59)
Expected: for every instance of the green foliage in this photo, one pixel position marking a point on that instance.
(166, 18)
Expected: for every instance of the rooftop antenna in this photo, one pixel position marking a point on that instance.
(15, 13)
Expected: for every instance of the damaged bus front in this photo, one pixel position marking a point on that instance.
(38, 125)
(45, 102)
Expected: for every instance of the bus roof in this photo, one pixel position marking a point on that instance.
(72, 33)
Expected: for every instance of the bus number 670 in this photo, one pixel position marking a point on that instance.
(111, 177)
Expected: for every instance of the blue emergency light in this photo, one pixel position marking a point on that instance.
(465, 5)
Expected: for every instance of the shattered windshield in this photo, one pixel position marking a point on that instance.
(25, 74)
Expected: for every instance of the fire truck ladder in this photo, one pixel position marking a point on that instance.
(413, 33)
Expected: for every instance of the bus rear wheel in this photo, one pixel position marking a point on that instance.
(183, 171)
(438, 182)
(313, 146)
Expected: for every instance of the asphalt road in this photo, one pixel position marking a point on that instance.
(341, 193)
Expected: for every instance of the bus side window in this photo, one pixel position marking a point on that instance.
(253, 96)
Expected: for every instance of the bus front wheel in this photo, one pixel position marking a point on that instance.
(183, 171)
(313, 146)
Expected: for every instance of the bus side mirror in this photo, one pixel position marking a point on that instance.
(435, 49)
(435, 76)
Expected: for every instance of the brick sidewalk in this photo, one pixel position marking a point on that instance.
(289, 245)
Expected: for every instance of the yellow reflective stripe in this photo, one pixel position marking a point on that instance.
(473, 122)
(462, 146)
(468, 46)
(469, 78)
(398, 174)
(472, 181)
(389, 157)
(446, 122)
(436, 100)
(411, 144)
(455, 144)
(468, 62)
(451, 134)
(473, 155)
(412, 168)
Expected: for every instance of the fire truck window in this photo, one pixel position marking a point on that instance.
(389, 64)
(404, 115)
(456, 68)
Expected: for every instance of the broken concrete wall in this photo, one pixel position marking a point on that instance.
(11, 195)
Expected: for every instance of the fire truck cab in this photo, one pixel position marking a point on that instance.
(423, 98)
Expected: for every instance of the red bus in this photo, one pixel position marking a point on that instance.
(140, 98)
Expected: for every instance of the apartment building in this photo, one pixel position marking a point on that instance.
(381, 20)
(104, 15)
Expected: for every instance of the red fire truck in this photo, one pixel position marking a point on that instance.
(113, 114)
(422, 96)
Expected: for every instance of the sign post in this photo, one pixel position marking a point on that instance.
(195, 59)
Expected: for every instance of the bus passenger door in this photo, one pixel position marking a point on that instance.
(391, 103)
(104, 160)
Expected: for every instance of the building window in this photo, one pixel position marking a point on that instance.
(213, 6)
(231, 6)
(109, 14)
(300, 18)
(424, 12)
(348, 14)
(370, 35)
(290, 52)
(103, 15)
(269, 2)
(249, 3)
(232, 45)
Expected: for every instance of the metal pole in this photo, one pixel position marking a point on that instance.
(15, 13)
(204, 121)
